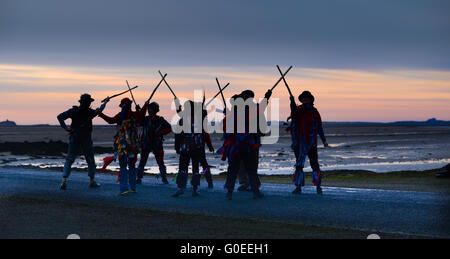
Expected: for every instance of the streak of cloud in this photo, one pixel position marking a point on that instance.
(342, 95)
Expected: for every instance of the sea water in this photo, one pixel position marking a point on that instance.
(379, 149)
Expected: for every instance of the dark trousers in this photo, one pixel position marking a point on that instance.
(313, 156)
(159, 156)
(205, 166)
(185, 158)
(250, 164)
(243, 175)
(75, 144)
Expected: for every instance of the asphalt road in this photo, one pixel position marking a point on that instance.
(405, 212)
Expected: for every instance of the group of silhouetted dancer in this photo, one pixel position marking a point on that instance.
(142, 132)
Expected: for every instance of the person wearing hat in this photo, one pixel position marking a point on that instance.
(154, 129)
(241, 149)
(244, 181)
(126, 143)
(306, 124)
(80, 136)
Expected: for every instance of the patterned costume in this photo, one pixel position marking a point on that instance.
(306, 124)
(242, 147)
(126, 144)
(190, 146)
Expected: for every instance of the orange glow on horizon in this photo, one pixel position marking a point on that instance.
(36, 94)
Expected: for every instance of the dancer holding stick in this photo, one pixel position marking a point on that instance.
(243, 146)
(306, 124)
(80, 132)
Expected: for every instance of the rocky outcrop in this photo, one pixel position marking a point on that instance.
(8, 123)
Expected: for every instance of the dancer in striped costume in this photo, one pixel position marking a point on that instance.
(306, 124)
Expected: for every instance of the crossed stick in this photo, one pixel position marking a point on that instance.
(165, 82)
(154, 90)
(214, 97)
(284, 80)
(221, 89)
(131, 92)
(110, 97)
(221, 93)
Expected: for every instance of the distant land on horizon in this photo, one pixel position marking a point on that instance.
(432, 121)
(8, 123)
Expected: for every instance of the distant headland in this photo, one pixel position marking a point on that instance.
(432, 121)
(8, 123)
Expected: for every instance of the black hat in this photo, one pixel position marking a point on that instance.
(125, 102)
(86, 98)
(249, 93)
(306, 94)
(235, 96)
(154, 106)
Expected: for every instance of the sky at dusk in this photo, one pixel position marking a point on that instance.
(363, 60)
